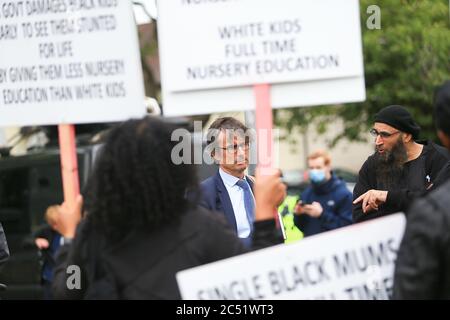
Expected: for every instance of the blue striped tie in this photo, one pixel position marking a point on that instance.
(249, 202)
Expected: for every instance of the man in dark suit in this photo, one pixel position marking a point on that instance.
(230, 191)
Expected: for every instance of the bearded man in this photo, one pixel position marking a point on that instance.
(401, 169)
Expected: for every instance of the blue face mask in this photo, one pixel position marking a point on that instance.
(317, 175)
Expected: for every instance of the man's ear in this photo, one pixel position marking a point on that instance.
(407, 137)
(445, 139)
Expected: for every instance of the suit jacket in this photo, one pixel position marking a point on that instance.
(214, 196)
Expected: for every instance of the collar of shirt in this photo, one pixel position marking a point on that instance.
(236, 195)
(228, 179)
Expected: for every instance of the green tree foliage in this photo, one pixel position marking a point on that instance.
(404, 61)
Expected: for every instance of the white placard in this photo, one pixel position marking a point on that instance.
(296, 94)
(211, 52)
(69, 61)
(355, 262)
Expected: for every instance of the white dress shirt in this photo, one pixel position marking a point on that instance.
(236, 195)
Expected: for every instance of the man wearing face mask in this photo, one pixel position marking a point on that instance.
(327, 203)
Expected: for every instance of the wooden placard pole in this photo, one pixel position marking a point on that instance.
(264, 121)
(69, 163)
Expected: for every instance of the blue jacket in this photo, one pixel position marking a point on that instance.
(214, 196)
(336, 201)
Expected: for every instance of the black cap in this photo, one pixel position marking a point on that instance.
(398, 117)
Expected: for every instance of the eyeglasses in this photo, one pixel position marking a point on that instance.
(235, 147)
(382, 134)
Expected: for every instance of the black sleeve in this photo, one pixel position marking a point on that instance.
(439, 161)
(397, 200)
(417, 267)
(44, 231)
(400, 200)
(4, 250)
(362, 186)
(225, 244)
(266, 234)
(221, 241)
(442, 176)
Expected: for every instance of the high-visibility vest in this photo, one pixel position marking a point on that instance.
(286, 211)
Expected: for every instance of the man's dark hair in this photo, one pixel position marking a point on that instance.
(225, 123)
(135, 184)
(442, 108)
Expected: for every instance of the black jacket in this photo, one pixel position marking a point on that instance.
(422, 269)
(436, 158)
(144, 265)
(48, 255)
(443, 176)
(4, 250)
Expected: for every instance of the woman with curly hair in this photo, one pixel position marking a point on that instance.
(139, 228)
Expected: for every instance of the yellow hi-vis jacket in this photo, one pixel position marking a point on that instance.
(286, 212)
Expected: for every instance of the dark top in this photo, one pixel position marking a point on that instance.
(336, 201)
(4, 250)
(422, 269)
(144, 265)
(48, 255)
(443, 176)
(417, 177)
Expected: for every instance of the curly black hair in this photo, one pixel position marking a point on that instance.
(135, 184)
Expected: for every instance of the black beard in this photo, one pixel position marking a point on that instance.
(389, 165)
